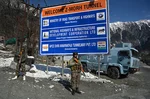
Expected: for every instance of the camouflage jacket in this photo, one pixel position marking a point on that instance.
(74, 65)
(24, 57)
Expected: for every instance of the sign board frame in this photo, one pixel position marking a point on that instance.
(76, 30)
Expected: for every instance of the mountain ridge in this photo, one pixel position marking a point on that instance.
(120, 24)
(135, 32)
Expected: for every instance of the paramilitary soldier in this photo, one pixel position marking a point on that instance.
(76, 67)
(21, 61)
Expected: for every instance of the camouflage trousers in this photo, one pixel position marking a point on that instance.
(75, 79)
(20, 68)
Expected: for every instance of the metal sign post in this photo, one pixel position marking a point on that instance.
(47, 64)
(62, 71)
(98, 66)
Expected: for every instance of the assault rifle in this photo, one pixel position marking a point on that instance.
(20, 59)
(77, 61)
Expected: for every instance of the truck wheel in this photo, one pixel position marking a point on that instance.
(85, 67)
(113, 72)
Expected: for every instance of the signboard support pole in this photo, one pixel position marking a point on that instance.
(98, 66)
(62, 71)
(47, 64)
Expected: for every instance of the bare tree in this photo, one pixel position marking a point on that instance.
(16, 22)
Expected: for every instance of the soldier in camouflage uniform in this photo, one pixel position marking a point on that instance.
(21, 61)
(75, 66)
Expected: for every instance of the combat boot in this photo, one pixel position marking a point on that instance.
(73, 92)
(24, 78)
(16, 77)
(77, 90)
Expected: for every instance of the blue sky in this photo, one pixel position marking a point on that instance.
(120, 10)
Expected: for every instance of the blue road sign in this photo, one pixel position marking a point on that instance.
(80, 27)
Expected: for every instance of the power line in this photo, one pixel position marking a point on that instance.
(45, 3)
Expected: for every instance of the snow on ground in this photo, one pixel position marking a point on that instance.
(54, 72)
(6, 52)
(2, 46)
(39, 73)
(146, 67)
(55, 75)
(5, 62)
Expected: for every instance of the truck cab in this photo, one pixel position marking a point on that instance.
(122, 60)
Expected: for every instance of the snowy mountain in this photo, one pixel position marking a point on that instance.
(138, 33)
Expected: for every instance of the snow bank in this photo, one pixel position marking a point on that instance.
(40, 74)
(56, 76)
(91, 78)
(1, 46)
(54, 72)
(146, 67)
(6, 52)
(5, 62)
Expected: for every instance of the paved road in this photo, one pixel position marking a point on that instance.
(136, 86)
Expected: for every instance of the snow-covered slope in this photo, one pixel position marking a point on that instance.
(124, 25)
(137, 33)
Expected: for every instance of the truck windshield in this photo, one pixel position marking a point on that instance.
(134, 53)
(123, 53)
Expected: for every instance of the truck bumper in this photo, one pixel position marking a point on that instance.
(133, 70)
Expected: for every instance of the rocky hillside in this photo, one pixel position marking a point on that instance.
(138, 33)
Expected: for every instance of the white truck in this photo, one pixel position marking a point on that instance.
(122, 60)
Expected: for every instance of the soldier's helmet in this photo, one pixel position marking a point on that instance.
(75, 53)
